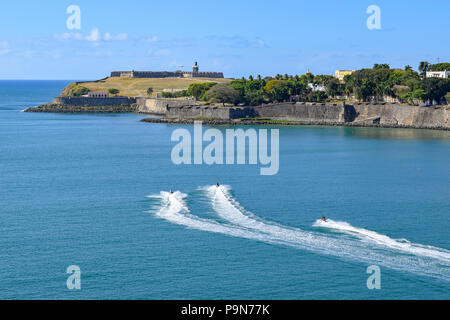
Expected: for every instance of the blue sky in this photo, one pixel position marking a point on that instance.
(238, 38)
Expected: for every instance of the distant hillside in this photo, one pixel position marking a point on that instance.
(136, 86)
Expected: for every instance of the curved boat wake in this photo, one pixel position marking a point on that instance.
(362, 245)
(383, 240)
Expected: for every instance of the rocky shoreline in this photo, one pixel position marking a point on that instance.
(58, 108)
(253, 122)
(270, 119)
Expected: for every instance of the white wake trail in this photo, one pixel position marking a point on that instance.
(242, 224)
(418, 259)
(173, 209)
(384, 240)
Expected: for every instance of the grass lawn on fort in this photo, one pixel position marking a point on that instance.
(138, 86)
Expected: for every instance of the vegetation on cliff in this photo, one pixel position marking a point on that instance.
(376, 84)
(74, 90)
(407, 85)
(380, 83)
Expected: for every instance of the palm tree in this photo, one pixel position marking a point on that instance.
(424, 66)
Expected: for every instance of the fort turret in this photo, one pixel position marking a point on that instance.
(195, 68)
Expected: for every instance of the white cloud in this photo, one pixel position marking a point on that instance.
(162, 52)
(152, 39)
(4, 48)
(118, 37)
(69, 36)
(259, 43)
(55, 54)
(25, 54)
(95, 36)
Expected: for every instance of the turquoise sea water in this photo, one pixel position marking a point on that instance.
(85, 190)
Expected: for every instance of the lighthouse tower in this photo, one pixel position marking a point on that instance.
(195, 69)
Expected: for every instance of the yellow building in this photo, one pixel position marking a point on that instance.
(340, 74)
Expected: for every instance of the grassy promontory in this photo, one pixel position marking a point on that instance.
(133, 87)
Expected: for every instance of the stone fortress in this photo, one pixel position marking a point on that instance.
(167, 74)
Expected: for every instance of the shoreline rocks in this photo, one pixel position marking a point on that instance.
(251, 122)
(58, 108)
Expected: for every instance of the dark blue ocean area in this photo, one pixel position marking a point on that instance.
(91, 190)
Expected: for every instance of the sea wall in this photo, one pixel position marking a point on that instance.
(211, 112)
(186, 112)
(86, 101)
(302, 111)
(160, 106)
(400, 115)
(385, 115)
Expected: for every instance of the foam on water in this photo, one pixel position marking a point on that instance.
(383, 240)
(244, 224)
(173, 208)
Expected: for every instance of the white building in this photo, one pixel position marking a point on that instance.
(438, 74)
(172, 90)
(317, 87)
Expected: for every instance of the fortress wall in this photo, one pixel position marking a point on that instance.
(207, 75)
(320, 113)
(152, 74)
(86, 101)
(165, 74)
(308, 112)
(395, 114)
(302, 111)
(186, 112)
(160, 106)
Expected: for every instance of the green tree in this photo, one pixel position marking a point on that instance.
(408, 68)
(277, 90)
(198, 90)
(239, 86)
(318, 96)
(415, 96)
(149, 91)
(254, 97)
(365, 90)
(223, 93)
(80, 91)
(444, 66)
(423, 68)
(400, 90)
(436, 88)
(113, 91)
(334, 88)
(381, 66)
